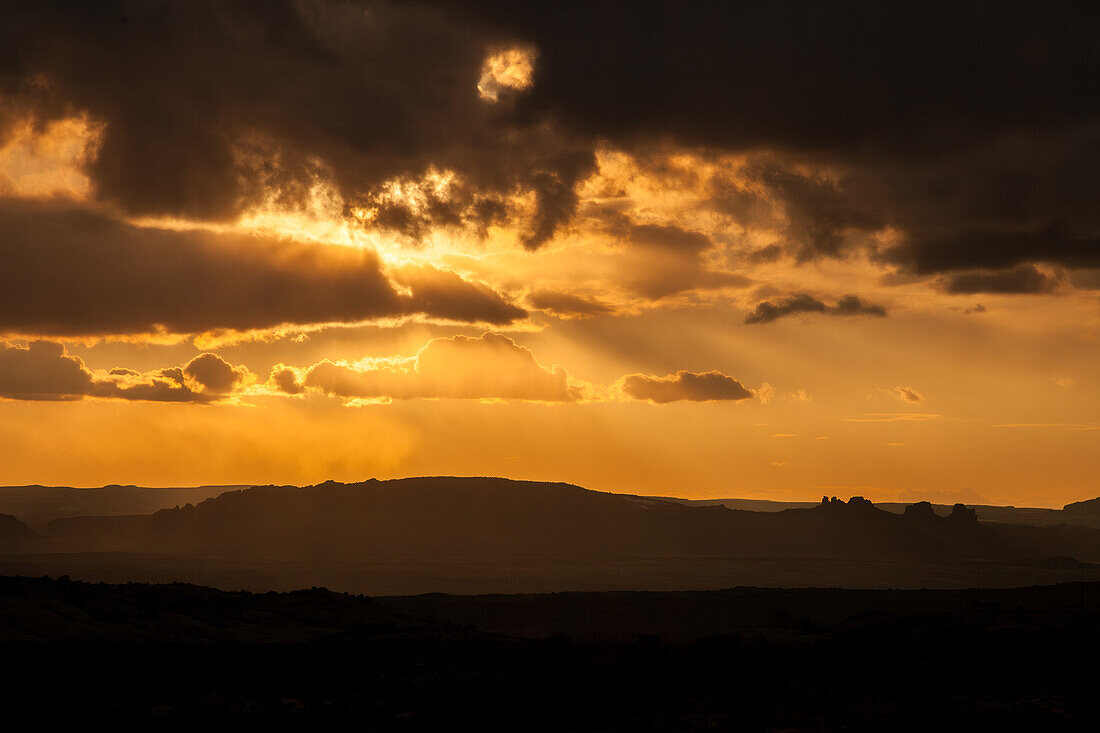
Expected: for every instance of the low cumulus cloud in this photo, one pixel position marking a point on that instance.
(43, 371)
(486, 367)
(490, 366)
(847, 305)
(70, 271)
(684, 386)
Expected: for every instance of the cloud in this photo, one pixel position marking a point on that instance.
(212, 107)
(974, 157)
(664, 260)
(74, 272)
(1062, 425)
(490, 366)
(997, 249)
(447, 295)
(510, 68)
(1021, 279)
(682, 87)
(906, 394)
(818, 216)
(215, 374)
(848, 305)
(1064, 381)
(981, 157)
(567, 305)
(43, 371)
(684, 386)
(895, 417)
(286, 380)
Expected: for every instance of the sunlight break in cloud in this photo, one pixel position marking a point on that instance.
(511, 68)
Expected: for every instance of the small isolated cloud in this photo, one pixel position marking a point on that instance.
(1064, 382)
(765, 393)
(979, 308)
(43, 371)
(784, 435)
(490, 366)
(847, 305)
(684, 386)
(894, 417)
(567, 305)
(1061, 425)
(1023, 279)
(905, 394)
(215, 374)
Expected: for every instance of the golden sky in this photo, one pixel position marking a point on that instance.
(296, 271)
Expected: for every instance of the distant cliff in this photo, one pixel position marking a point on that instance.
(16, 536)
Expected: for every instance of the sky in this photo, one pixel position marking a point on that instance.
(760, 250)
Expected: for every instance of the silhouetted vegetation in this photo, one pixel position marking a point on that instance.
(181, 657)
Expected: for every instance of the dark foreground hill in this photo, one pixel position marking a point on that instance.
(139, 657)
(494, 535)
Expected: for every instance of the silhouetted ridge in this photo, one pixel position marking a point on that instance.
(498, 520)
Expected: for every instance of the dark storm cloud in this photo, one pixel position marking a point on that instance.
(847, 305)
(996, 249)
(43, 371)
(684, 386)
(1022, 279)
(968, 128)
(819, 215)
(808, 76)
(211, 105)
(70, 271)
